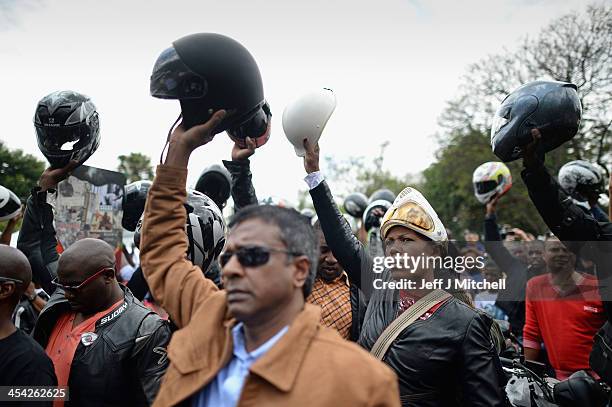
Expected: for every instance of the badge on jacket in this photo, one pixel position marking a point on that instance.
(88, 338)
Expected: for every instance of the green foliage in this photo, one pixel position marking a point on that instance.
(135, 167)
(19, 172)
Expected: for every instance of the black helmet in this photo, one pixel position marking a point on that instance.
(581, 389)
(134, 199)
(384, 194)
(67, 127)
(216, 183)
(581, 179)
(355, 204)
(369, 219)
(205, 228)
(10, 205)
(207, 72)
(552, 107)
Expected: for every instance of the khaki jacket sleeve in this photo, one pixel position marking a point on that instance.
(386, 394)
(178, 285)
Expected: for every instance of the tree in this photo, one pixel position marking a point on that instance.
(135, 167)
(574, 48)
(19, 172)
(447, 184)
(356, 174)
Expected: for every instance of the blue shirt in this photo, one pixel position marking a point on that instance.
(226, 387)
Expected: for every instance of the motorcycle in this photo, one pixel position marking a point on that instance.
(526, 388)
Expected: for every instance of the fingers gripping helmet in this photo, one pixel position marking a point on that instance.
(552, 107)
(67, 127)
(411, 210)
(133, 203)
(216, 183)
(370, 220)
(355, 204)
(306, 117)
(205, 228)
(489, 179)
(384, 194)
(10, 205)
(580, 177)
(207, 72)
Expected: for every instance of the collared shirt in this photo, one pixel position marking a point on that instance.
(314, 179)
(334, 298)
(65, 339)
(225, 389)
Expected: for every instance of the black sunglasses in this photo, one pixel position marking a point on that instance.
(252, 256)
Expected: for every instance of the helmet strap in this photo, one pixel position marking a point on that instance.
(161, 156)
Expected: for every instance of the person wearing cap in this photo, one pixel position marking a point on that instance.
(446, 356)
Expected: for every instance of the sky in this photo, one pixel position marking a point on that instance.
(392, 64)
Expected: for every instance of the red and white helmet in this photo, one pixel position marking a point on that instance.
(489, 179)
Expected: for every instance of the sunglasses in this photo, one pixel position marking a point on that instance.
(77, 287)
(252, 256)
(10, 280)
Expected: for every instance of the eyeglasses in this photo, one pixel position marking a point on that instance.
(252, 256)
(10, 280)
(77, 287)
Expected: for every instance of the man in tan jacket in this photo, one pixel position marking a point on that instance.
(256, 343)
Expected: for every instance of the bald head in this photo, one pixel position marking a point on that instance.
(14, 264)
(85, 257)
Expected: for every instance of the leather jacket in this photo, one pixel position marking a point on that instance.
(448, 359)
(243, 192)
(124, 365)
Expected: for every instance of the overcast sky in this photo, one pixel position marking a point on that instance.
(391, 63)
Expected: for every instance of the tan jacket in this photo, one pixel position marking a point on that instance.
(309, 366)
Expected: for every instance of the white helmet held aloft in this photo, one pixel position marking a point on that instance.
(490, 179)
(411, 210)
(10, 205)
(306, 117)
(580, 174)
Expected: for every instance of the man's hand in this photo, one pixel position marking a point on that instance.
(53, 176)
(243, 154)
(311, 159)
(530, 155)
(184, 142)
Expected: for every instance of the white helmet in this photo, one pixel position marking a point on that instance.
(580, 173)
(489, 179)
(10, 205)
(411, 210)
(306, 117)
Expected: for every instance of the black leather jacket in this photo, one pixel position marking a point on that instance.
(124, 365)
(446, 360)
(243, 192)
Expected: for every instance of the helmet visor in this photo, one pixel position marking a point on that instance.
(257, 127)
(172, 79)
(485, 186)
(412, 215)
(61, 141)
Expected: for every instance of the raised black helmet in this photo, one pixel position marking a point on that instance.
(67, 127)
(550, 106)
(207, 72)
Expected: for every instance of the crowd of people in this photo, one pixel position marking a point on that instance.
(277, 307)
